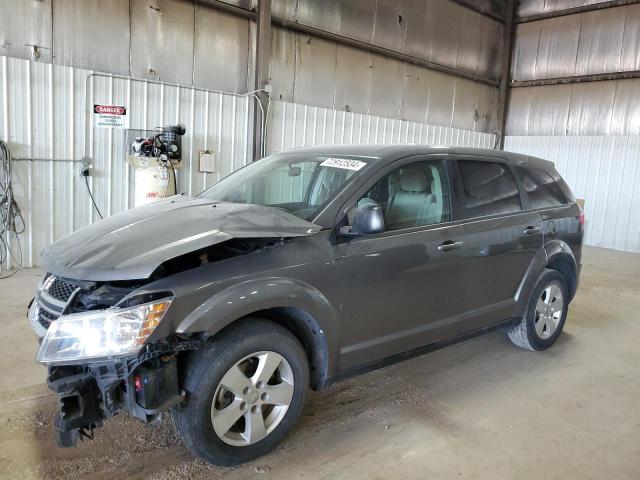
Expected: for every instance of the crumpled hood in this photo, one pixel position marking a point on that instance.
(132, 244)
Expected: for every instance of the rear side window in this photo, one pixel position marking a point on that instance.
(542, 190)
(489, 188)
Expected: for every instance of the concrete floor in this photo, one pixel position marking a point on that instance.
(482, 409)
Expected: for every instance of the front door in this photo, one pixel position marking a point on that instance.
(398, 287)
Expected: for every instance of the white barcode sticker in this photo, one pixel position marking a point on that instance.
(343, 163)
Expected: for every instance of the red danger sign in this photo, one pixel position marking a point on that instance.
(110, 116)
(110, 109)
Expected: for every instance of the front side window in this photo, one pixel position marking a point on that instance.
(298, 184)
(541, 188)
(413, 195)
(489, 188)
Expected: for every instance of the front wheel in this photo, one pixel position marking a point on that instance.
(545, 314)
(245, 391)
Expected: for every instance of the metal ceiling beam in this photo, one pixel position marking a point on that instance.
(573, 11)
(505, 74)
(228, 8)
(480, 10)
(599, 77)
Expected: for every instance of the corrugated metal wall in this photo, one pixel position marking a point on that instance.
(318, 72)
(601, 41)
(440, 31)
(192, 44)
(43, 114)
(173, 41)
(294, 125)
(604, 170)
(313, 71)
(593, 108)
(590, 129)
(590, 43)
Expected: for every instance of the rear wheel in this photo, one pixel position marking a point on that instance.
(245, 391)
(545, 315)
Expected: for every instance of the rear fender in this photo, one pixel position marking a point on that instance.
(556, 248)
(543, 257)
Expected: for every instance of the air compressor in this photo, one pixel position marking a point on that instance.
(155, 159)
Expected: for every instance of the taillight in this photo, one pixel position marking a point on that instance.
(581, 218)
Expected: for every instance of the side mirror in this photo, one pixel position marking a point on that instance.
(294, 171)
(367, 220)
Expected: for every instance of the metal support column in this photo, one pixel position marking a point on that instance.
(505, 74)
(263, 58)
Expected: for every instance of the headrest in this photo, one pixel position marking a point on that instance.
(414, 181)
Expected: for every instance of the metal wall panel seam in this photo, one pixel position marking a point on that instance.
(91, 92)
(191, 137)
(127, 168)
(29, 166)
(5, 123)
(206, 129)
(109, 155)
(50, 220)
(233, 130)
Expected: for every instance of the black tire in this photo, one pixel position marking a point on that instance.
(524, 334)
(203, 371)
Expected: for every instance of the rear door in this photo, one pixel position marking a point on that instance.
(547, 193)
(497, 239)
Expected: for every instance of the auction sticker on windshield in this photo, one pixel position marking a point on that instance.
(343, 163)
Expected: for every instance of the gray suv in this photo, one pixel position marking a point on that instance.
(299, 270)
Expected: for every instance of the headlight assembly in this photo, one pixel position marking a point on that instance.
(100, 334)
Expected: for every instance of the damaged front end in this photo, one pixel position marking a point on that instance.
(98, 316)
(94, 344)
(144, 386)
(93, 339)
(96, 340)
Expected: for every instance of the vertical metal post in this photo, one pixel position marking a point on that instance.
(505, 74)
(263, 58)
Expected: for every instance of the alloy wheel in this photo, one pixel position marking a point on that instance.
(549, 309)
(252, 398)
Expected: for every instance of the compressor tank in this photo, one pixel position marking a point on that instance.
(153, 180)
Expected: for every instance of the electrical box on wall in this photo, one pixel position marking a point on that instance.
(207, 162)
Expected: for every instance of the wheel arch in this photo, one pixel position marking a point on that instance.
(309, 333)
(556, 255)
(564, 263)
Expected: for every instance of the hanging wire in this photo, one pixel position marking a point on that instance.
(86, 182)
(11, 219)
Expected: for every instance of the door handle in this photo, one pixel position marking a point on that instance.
(448, 246)
(531, 230)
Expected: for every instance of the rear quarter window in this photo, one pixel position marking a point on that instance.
(541, 188)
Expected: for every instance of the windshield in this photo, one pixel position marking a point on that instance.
(298, 184)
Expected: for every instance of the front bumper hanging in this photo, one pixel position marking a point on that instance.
(144, 386)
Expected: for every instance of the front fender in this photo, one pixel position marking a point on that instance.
(251, 296)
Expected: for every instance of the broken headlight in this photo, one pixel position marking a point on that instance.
(101, 334)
